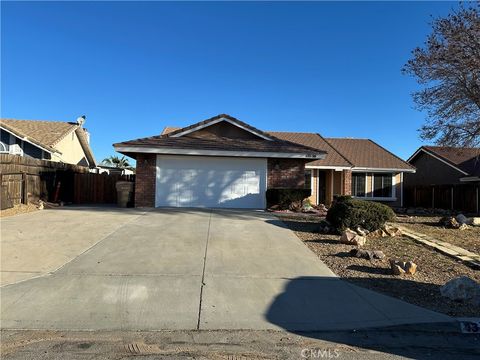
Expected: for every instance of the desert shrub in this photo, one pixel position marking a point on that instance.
(347, 212)
(284, 198)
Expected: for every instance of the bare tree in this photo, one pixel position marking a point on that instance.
(448, 66)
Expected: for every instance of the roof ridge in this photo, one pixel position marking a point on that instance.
(338, 152)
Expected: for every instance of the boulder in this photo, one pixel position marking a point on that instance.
(463, 227)
(362, 232)
(449, 222)
(379, 233)
(350, 237)
(392, 230)
(402, 267)
(474, 221)
(461, 219)
(462, 289)
(367, 254)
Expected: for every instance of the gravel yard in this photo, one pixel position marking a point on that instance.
(434, 269)
(468, 239)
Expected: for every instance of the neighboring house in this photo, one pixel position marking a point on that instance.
(438, 165)
(66, 142)
(224, 162)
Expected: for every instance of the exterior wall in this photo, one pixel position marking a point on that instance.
(313, 197)
(431, 171)
(145, 179)
(347, 182)
(222, 129)
(72, 151)
(286, 173)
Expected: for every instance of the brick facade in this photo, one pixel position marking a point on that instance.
(347, 182)
(286, 173)
(145, 180)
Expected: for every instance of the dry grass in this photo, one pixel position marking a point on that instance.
(18, 209)
(468, 239)
(434, 269)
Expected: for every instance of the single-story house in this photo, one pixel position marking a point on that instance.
(224, 162)
(67, 142)
(442, 165)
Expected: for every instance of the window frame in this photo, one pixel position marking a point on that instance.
(372, 186)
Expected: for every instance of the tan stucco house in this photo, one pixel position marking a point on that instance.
(224, 162)
(67, 142)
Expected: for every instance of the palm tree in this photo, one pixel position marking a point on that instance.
(118, 162)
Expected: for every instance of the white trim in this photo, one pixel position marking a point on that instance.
(401, 189)
(470, 178)
(363, 169)
(173, 151)
(336, 168)
(436, 157)
(26, 139)
(213, 122)
(316, 195)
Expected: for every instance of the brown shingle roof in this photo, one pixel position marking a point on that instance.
(466, 159)
(187, 141)
(364, 153)
(43, 133)
(316, 141)
(47, 134)
(169, 129)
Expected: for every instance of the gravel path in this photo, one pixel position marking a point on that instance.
(434, 269)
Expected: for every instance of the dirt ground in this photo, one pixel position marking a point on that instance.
(423, 289)
(468, 239)
(442, 341)
(18, 209)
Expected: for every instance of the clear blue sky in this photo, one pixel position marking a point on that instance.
(133, 68)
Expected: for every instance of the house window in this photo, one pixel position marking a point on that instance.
(382, 185)
(308, 179)
(3, 148)
(358, 184)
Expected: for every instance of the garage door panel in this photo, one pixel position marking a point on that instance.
(195, 181)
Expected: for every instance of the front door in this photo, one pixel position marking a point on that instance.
(322, 186)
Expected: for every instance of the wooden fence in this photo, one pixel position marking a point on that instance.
(464, 197)
(25, 179)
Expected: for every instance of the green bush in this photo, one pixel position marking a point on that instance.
(283, 198)
(347, 212)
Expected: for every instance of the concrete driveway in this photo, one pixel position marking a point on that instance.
(177, 269)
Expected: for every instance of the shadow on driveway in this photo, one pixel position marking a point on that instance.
(331, 309)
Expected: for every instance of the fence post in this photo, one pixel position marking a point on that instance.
(433, 197)
(24, 188)
(451, 198)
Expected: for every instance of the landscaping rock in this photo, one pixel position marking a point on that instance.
(392, 230)
(379, 233)
(449, 222)
(402, 267)
(461, 219)
(367, 254)
(475, 221)
(350, 237)
(462, 289)
(362, 232)
(463, 227)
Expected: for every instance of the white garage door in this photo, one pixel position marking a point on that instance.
(200, 181)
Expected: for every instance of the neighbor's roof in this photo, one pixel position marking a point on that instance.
(47, 134)
(168, 140)
(364, 153)
(465, 159)
(316, 141)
